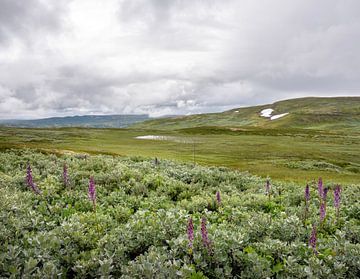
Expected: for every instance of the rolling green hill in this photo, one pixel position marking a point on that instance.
(309, 113)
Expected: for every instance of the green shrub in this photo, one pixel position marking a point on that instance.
(139, 228)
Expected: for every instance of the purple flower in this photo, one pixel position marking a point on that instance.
(307, 193)
(322, 212)
(190, 232)
(312, 240)
(204, 233)
(65, 175)
(320, 188)
(337, 197)
(218, 198)
(92, 191)
(307, 199)
(267, 186)
(29, 180)
(324, 196)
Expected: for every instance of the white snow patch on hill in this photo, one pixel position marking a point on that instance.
(266, 112)
(278, 116)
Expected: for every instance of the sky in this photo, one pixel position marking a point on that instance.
(165, 57)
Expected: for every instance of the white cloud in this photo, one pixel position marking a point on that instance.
(171, 57)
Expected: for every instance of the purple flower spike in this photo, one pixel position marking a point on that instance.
(29, 180)
(312, 240)
(190, 232)
(324, 196)
(65, 176)
(92, 191)
(307, 193)
(322, 212)
(337, 197)
(307, 199)
(267, 186)
(320, 188)
(204, 233)
(218, 198)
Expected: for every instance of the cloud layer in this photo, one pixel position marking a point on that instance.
(171, 57)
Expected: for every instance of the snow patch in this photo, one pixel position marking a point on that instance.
(278, 116)
(266, 112)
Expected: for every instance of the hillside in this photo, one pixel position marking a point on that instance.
(308, 113)
(89, 121)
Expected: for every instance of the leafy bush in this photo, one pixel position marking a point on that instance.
(139, 229)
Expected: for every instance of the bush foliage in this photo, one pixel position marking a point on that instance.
(139, 229)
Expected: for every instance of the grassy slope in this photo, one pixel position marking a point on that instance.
(310, 113)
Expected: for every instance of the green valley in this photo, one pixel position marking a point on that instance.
(317, 138)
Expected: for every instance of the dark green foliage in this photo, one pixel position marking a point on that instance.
(139, 228)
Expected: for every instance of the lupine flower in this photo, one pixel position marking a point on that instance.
(29, 180)
(324, 196)
(307, 199)
(337, 197)
(204, 233)
(320, 188)
(92, 192)
(337, 194)
(65, 175)
(312, 240)
(267, 186)
(322, 212)
(218, 198)
(307, 193)
(190, 232)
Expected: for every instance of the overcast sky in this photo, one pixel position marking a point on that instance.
(61, 57)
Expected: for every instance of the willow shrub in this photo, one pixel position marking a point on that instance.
(140, 227)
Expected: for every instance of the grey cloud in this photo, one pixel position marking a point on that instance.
(22, 19)
(175, 25)
(171, 57)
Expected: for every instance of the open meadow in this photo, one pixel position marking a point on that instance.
(282, 154)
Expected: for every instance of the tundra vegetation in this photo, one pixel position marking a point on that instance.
(71, 216)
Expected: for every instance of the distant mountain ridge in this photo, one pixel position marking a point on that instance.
(89, 121)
